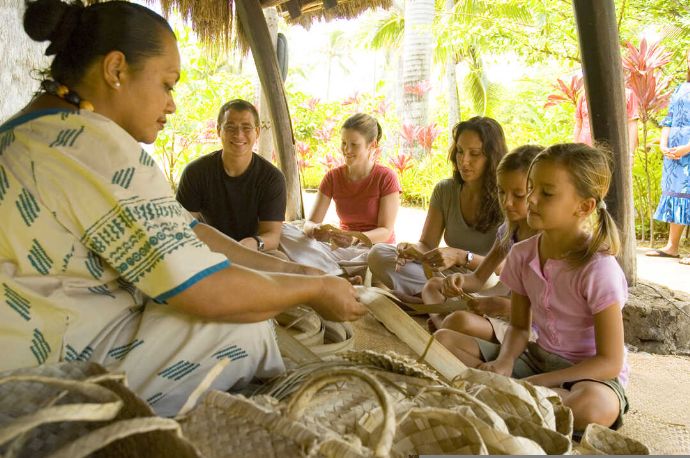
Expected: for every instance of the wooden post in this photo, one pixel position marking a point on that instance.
(603, 75)
(254, 24)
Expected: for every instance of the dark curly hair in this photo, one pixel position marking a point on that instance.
(494, 148)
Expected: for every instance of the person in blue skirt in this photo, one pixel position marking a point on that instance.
(674, 205)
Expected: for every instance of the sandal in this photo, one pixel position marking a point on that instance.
(660, 254)
(685, 261)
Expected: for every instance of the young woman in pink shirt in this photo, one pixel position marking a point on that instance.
(567, 283)
(367, 199)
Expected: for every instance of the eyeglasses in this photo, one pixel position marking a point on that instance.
(233, 129)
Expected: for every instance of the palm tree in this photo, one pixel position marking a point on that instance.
(418, 44)
(454, 42)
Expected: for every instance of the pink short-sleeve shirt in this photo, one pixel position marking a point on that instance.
(564, 300)
(357, 202)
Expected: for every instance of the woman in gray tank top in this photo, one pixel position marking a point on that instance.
(464, 210)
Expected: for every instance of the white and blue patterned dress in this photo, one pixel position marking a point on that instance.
(92, 243)
(674, 205)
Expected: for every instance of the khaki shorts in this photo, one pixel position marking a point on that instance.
(535, 360)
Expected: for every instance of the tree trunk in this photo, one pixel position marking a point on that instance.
(603, 74)
(452, 83)
(417, 49)
(252, 18)
(19, 55)
(266, 141)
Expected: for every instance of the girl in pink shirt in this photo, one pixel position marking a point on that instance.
(567, 283)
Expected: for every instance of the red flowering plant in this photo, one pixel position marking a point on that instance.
(566, 92)
(311, 103)
(419, 89)
(643, 76)
(325, 133)
(304, 155)
(401, 162)
(331, 160)
(408, 132)
(382, 107)
(354, 99)
(426, 136)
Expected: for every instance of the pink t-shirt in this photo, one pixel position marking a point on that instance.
(582, 113)
(564, 300)
(357, 202)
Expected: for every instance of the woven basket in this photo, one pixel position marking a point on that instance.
(322, 337)
(598, 440)
(231, 425)
(76, 409)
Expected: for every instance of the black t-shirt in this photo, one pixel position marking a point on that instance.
(233, 205)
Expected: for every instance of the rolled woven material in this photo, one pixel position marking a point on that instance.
(75, 409)
(322, 337)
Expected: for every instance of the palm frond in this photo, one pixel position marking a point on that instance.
(476, 84)
(388, 32)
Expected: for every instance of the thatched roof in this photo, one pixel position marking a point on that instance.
(213, 20)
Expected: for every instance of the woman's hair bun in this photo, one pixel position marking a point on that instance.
(52, 20)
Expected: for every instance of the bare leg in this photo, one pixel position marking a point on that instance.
(465, 348)
(592, 402)
(674, 233)
(470, 324)
(431, 293)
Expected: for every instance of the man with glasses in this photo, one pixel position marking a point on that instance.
(234, 189)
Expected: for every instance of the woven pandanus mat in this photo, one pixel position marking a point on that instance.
(659, 394)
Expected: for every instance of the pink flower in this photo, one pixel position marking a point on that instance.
(303, 149)
(352, 100)
(419, 89)
(401, 162)
(426, 136)
(303, 164)
(409, 132)
(311, 103)
(382, 107)
(332, 161)
(326, 132)
(565, 92)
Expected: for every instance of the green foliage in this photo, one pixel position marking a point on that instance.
(541, 35)
(207, 81)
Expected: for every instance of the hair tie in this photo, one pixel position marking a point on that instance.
(601, 205)
(68, 23)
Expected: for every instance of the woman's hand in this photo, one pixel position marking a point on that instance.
(319, 233)
(406, 252)
(452, 285)
(342, 240)
(337, 300)
(677, 152)
(440, 259)
(498, 366)
(491, 306)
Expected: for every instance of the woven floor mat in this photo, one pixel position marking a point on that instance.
(372, 335)
(659, 390)
(659, 394)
